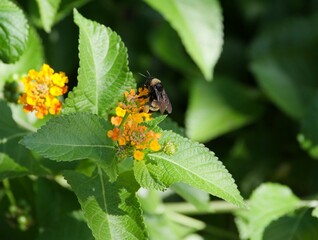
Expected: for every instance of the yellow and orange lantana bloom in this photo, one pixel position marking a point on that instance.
(41, 90)
(129, 131)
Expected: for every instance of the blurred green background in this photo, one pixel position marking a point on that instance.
(259, 114)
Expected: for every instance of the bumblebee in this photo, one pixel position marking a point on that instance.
(158, 98)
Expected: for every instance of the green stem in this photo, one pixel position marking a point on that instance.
(199, 225)
(123, 121)
(214, 207)
(309, 203)
(8, 192)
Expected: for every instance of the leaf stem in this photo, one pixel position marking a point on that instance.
(215, 207)
(199, 225)
(8, 192)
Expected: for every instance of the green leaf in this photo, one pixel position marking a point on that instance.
(73, 137)
(162, 223)
(167, 46)
(9, 168)
(103, 75)
(32, 58)
(48, 10)
(192, 164)
(19, 158)
(145, 177)
(219, 107)
(67, 6)
(13, 32)
(199, 25)
(298, 226)
(111, 209)
(268, 202)
(169, 124)
(200, 199)
(287, 72)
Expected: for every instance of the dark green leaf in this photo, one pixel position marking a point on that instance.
(298, 226)
(32, 58)
(284, 64)
(18, 157)
(9, 168)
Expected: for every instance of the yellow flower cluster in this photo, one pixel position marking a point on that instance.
(130, 131)
(41, 90)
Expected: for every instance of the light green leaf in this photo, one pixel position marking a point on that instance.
(287, 73)
(13, 32)
(32, 58)
(298, 226)
(199, 25)
(73, 137)
(314, 212)
(219, 107)
(192, 164)
(268, 202)
(146, 178)
(162, 223)
(103, 75)
(48, 10)
(17, 156)
(9, 168)
(200, 199)
(111, 209)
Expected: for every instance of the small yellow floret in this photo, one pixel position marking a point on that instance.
(139, 155)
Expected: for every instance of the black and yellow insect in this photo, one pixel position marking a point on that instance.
(158, 98)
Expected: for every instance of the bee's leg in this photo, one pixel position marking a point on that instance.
(146, 108)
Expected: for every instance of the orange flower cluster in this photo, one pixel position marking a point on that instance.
(130, 131)
(41, 90)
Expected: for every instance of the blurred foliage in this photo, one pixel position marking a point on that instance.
(259, 114)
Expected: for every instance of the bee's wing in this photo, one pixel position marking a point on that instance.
(160, 101)
(166, 101)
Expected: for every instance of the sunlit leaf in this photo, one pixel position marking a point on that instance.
(199, 25)
(13, 32)
(48, 10)
(268, 202)
(103, 75)
(192, 164)
(200, 199)
(73, 137)
(111, 209)
(219, 107)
